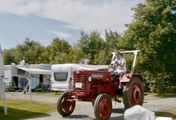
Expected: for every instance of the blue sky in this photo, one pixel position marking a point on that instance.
(43, 20)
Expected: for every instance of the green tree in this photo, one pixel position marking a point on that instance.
(153, 31)
(57, 52)
(9, 57)
(30, 51)
(92, 44)
(75, 55)
(112, 43)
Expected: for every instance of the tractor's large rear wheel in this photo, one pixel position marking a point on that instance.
(103, 107)
(133, 92)
(65, 104)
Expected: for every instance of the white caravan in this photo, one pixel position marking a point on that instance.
(62, 73)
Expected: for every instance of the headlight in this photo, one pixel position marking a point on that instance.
(90, 79)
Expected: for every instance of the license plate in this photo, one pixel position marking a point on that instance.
(78, 85)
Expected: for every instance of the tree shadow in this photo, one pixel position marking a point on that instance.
(118, 110)
(77, 116)
(121, 117)
(117, 118)
(17, 114)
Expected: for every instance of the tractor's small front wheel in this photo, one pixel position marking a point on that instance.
(65, 104)
(133, 92)
(103, 107)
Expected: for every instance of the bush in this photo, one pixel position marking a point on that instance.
(172, 89)
(153, 88)
(146, 87)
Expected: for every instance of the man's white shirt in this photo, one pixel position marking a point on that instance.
(119, 68)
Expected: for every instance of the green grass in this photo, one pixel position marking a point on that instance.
(148, 95)
(166, 95)
(20, 109)
(48, 94)
(166, 114)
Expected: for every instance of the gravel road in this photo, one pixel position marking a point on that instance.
(85, 110)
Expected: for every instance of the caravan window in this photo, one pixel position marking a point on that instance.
(61, 76)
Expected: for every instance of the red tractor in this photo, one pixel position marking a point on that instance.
(100, 87)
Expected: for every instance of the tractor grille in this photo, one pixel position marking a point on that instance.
(79, 80)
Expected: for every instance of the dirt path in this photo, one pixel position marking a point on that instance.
(85, 110)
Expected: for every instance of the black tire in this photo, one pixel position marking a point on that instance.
(133, 93)
(103, 107)
(65, 104)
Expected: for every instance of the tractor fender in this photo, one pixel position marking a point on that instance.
(128, 77)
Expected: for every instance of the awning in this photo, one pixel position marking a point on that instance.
(35, 70)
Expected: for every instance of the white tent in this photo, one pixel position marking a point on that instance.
(2, 87)
(34, 70)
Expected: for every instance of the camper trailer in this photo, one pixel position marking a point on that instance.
(61, 74)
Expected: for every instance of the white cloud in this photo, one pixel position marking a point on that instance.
(59, 34)
(72, 27)
(83, 14)
(21, 7)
